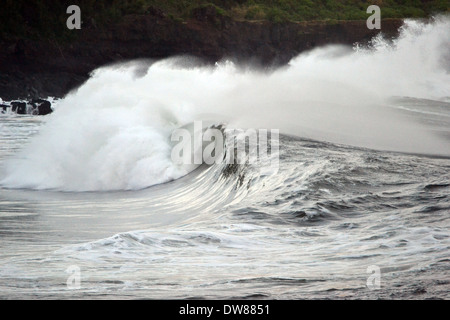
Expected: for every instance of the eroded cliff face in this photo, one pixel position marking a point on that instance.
(40, 68)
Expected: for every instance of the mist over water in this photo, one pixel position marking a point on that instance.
(113, 133)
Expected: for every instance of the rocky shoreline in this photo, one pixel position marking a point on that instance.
(31, 69)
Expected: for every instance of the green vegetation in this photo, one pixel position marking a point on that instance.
(304, 10)
(46, 18)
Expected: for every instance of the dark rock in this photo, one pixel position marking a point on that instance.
(3, 108)
(19, 107)
(41, 107)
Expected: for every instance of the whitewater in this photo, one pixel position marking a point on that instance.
(363, 179)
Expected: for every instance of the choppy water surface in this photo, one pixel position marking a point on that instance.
(73, 191)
